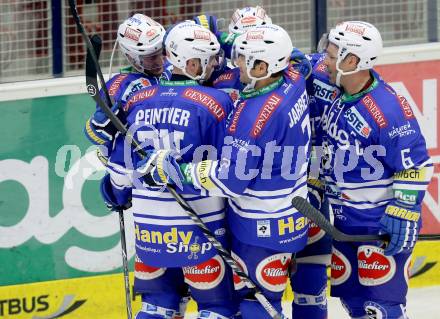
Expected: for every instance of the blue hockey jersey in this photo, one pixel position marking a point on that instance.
(264, 165)
(229, 82)
(372, 141)
(120, 88)
(184, 116)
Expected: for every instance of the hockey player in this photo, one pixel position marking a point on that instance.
(376, 171)
(263, 166)
(179, 115)
(140, 41)
(309, 275)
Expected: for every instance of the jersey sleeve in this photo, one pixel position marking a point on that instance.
(406, 154)
(402, 138)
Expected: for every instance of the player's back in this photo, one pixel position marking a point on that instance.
(179, 116)
(275, 128)
(190, 118)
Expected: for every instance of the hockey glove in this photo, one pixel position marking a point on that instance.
(402, 222)
(115, 199)
(160, 168)
(300, 63)
(99, 129)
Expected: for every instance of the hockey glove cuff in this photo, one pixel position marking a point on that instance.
(402, 222)
(99, 129)
(115, 199)
(160, 168)
(300, 63)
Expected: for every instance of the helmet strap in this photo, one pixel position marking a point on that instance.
(111, 60)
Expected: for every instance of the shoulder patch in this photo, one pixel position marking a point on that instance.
(206, 100)
(266, 111)
(237, 112)
(374, 111)
(406, 108)
(140, 96)
(116, 84)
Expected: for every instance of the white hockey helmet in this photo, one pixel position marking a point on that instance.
(359, 38)
(140, 36)
(269, 43)
(247, 18)
(188, 40)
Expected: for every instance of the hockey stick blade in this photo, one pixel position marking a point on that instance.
(91, 72)
(305, 208)
(192, 214)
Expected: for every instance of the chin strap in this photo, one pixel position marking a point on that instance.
(111, 60)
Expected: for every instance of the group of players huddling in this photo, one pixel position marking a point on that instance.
(239, 143)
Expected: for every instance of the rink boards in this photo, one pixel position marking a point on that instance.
(59, 246)
(104, 296)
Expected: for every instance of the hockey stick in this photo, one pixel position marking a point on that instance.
(91, 73)
(303, 206)
(92, 86)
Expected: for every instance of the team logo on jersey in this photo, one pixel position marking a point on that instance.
(272, 272)
(375, 111)
(132, 34)
(146, 272)
(315, 233)
(116, 84)
(406, 108)
(237, 112)
(266, 111)
(238, 283)
(375, 311)
(263, 228)
(374, 268)
(340, 268)
(206, 100)
(357, 122)
(206, 275)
